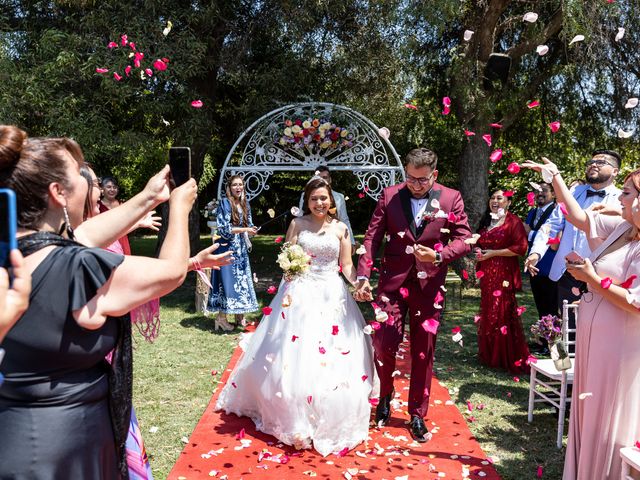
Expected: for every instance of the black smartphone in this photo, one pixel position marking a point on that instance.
(180, 164)
(8, 225)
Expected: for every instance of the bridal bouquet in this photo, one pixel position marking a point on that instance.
(313, 134)
(549, 328)
(293, 260)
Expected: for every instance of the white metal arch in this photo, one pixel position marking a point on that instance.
(256, 154)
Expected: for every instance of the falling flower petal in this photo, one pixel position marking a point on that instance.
(296, 212)
(294, 338)
(102, 70)
(503, 330)
(542, 50)
(384, 133)
(533, 104)
(465, 274)
(278, 239)
(168, 28)
(309, 399)
(469, 133)
(404, 292)
(554, 126)
(127, 70)
(530, 17)
(438, 247)
(531, 199)
(123, 40)
(334, 329)
(422, 275)
(577, 38)
(620, 34)
(430, 325)
(496, 155)
(368, 329)
(267, 310)
(272, 289)
(473, 239)
(539, 471)
(553, 241)
(410, 106)
(624, 134)
(495, 125)
(197, 104)
(497, 293)
(487, 139)
(361, 250)
(467, 35)
(631, 103)
(479, 274)
(506, 193)
(148, 71)
(513, 168)
(606, 282)
(521, 310)
(117, 76)
(628, 282)
(455, 330)
(322, 350)
(159, 65)
(271, 212)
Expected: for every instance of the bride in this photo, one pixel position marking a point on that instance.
(307, 373)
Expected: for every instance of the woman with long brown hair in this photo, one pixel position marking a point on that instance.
(232, 286)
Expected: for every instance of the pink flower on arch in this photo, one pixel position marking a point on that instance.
(554, 126)
(531, 199)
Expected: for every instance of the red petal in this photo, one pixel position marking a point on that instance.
(553, 241)
(334, 330)
(531, 199)
(364, 377)
(278, 240)
(513, 168)
(455, 330)
(487, 139)
(606, 282)
(465, 275)
(194, 104)
(267, 310)
(469, 133)
(554, 126)
(411, 106)
(309, 399)
(404, 292)
(533, 104)
(503, 330)
(495, 125)
(294, 338)
(240, 434)
(430, 325)
(563, 208)
(495, 155)
(322, 350)
(497, 293)
(628, 282)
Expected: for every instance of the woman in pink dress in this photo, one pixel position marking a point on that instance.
(501, 340)
(605, 408)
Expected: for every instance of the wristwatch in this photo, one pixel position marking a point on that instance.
(438, 259)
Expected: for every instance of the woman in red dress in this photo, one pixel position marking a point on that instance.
(501, 340)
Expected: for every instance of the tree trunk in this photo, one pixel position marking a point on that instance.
(472, 170)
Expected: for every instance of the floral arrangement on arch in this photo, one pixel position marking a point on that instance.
(314, 134)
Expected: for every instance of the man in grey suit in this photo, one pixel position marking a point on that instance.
(341, 206)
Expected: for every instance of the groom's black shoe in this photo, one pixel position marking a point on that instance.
(419, 430)
(383, 410)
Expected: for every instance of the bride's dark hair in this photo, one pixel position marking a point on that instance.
(314, 184)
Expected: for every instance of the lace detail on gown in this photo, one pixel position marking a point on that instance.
(307, 372)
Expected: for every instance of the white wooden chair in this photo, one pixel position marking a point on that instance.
(553, 387)
(630, 459)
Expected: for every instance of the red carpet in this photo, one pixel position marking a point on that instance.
(214, 450)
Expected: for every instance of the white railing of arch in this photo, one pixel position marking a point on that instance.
(257, 155)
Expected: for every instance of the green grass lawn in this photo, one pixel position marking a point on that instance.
(176, 375)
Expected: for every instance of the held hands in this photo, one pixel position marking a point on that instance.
(483, 255)
(206, 258)
(363, 291)
(583, 272)
(252, 231)
(15, 300)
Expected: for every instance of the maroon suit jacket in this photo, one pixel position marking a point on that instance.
(393, 215)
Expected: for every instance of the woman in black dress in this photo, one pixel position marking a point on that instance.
(64, 410)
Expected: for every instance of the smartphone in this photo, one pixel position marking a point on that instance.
(180, 164)
(8, 225)
(574, 257)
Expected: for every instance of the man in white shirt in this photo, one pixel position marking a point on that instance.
(341, 205)
(600, 174)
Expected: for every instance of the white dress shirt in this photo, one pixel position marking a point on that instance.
(572, 238)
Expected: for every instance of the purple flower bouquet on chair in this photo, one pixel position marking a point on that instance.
(549, 328)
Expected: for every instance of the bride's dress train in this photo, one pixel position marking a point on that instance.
(307, 373)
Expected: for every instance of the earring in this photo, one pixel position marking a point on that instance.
(67, 224)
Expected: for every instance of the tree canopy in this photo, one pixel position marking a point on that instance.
(394, 61)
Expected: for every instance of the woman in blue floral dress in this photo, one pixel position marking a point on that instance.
(232, 286)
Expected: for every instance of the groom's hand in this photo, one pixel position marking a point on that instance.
(424, 254)
(363, 291)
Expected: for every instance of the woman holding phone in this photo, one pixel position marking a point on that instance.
(232, 286)
(605, 412)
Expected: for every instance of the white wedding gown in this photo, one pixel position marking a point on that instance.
(307, 373)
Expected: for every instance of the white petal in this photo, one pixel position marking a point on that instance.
(422, 275)
(445, 230)
(472, 241)
(530, 17)
(577, 38)
(271, 212)
(542, 50)
(295, 211)
(435, 203)
(631, 103)
(401, 234)
(409, 250)
(582, 396)
(620, 34)
(457, 337)
(623, 134)
(467, 35)
(361, 250)
(384, 132)
(368, 329)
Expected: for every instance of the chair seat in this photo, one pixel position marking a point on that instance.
(631, 456)
(548, 368)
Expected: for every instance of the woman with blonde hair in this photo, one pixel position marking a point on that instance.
(605, 410)
(232, 287)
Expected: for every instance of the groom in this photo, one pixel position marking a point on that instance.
(425, 227)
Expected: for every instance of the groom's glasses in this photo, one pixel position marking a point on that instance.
(421, 180)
